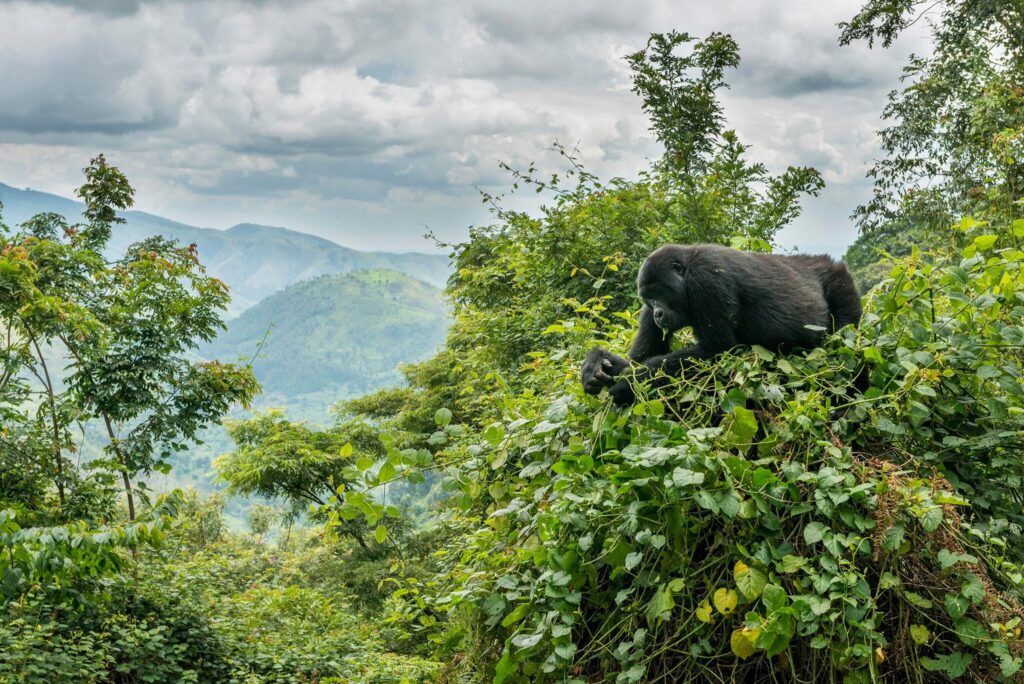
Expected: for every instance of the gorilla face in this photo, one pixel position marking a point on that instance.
(662, 286)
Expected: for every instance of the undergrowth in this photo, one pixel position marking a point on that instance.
(758, 519)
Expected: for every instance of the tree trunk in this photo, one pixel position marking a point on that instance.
(58, 465)
(124, 472)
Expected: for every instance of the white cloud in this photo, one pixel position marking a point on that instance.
(363, 120)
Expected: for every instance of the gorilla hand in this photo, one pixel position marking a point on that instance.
(600, 369)
(623, 392)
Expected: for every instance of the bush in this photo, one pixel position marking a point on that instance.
(43, 653)
(755, 519)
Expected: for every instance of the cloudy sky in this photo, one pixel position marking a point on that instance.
(372, 121)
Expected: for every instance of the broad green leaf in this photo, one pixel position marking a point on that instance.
(750, 580)
(814, 532)
(793, 563)
(524, 641)
(985, 242)
(504, 667)
(774, 598)
(681, 477)
(742, 426)
(661, 604)
(972, 588)
(952, 664)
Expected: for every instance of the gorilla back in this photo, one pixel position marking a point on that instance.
(729, 298)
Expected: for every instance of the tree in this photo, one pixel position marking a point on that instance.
(277, 458)
(110, 341)
(955, 142)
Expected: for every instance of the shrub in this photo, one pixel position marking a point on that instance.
(756, 519)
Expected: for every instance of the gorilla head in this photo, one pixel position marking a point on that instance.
(662, 287)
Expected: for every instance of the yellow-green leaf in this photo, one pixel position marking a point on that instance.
(743, 641)
(725, 600)
(704, 612)
(985, 241)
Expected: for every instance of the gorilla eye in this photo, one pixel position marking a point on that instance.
(677, 267)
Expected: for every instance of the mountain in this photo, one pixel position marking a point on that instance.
(335, 337)
(254, 260)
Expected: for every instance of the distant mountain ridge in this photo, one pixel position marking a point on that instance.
(254, 260)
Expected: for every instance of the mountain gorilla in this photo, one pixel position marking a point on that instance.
(729, 298)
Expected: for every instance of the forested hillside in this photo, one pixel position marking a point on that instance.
(851, 513)
(334, 337)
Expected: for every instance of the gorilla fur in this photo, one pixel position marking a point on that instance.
(729, 298)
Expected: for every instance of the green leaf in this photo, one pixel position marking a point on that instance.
(741, 427)
(793, 563)
(956, 605)
(917, 600)
(920, 634)
(776, 634)
(504, 667)
(516, 615)
(565, 651)
(971, 631)
(750, 580)
(948, 559)
(524, 641)
(380, 534)
(494, 434)
(932, 518)
(681, 477)
(633, 559)
(443, 416)
(661, 604)
(814, 532)
(888, 581)
(985, 242)
(774, 598)
(972, 588)
(953, 664)
(729, 503)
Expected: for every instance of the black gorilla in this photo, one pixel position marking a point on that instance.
(729, 298)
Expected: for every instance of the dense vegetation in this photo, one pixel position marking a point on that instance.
(756, 520)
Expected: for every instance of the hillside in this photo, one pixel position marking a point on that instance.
(335, 337)
(254, 260)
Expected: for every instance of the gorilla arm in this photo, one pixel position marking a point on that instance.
(714, 322)
(601, 368)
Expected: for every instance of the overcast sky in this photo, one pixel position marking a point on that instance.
(371, 121)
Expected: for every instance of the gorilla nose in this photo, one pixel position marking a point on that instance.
(659, 317)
